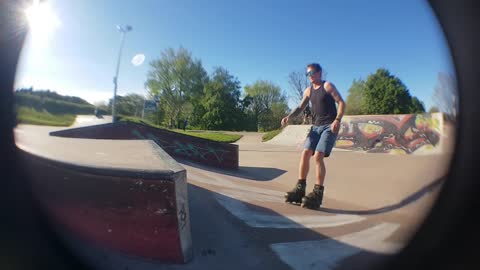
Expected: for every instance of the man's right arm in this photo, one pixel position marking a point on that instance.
(296, 111)
(303, 104)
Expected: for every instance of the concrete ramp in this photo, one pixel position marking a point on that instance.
(126, 196)
(390, 134)
(203, 151)
(291, 135)
(90, 119)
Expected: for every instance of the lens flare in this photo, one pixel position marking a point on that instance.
(138, 59)
(42, 22)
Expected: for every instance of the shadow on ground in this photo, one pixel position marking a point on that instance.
(222, 240)
(253, 244)
(247, 173)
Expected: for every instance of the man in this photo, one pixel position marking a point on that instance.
(326, 119)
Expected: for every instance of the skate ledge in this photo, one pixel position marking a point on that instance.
(105, 192)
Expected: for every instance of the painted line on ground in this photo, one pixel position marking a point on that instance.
(277, 221)
(322, 254)
(231, 195)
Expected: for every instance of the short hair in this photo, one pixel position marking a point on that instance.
(315, 66)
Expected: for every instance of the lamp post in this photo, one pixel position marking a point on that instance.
(123, 31)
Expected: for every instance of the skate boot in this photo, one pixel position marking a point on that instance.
(314, 199)
(297, 193)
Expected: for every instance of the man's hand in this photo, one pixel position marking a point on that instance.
(284, 121)
(335, 126)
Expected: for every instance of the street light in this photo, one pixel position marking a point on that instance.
(122, 30)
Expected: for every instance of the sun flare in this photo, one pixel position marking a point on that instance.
(42, 22)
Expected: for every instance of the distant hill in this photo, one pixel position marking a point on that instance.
(52, 95)
(46, 100)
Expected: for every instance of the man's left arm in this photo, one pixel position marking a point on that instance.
(332, 90)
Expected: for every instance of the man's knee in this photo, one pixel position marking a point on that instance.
(307, 153)
(319, 156)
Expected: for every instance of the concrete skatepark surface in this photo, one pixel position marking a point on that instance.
(177, 145)
(373, 203)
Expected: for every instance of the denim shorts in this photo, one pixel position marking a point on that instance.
(321, 139)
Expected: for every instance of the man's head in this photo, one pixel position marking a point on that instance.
(314, 73)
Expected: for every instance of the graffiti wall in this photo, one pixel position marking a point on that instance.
(403, 134)
(222, 155)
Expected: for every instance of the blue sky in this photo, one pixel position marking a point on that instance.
(253, 40)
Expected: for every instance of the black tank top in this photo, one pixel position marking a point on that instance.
(322, 106)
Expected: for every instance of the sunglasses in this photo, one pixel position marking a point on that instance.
(310, 73)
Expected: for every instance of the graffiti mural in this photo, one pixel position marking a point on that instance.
(223, 155)
(390, 133)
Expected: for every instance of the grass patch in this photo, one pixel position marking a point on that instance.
(209, 135)
(269, 135)
(138, 120)
(26, 115)
(214, 136)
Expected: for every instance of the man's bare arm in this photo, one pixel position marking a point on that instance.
(330, 88)
(303, 104)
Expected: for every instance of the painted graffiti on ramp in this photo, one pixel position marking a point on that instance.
(400, 134)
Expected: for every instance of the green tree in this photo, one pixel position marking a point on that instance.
(178, 80)
(248, 120)
(221, 102)
(52, 95)
(385, 94)
(355, 98)
(272, 119)
(154, 111)
(433, 109)
(416, 106)
(263, 96)
(101, 107)
(52, 102)
(129, 105)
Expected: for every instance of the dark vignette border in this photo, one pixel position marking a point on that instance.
(448, 239)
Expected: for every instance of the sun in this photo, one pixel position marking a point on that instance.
(42, 22)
